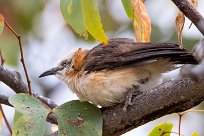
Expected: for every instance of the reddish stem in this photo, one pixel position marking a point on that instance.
(21, 53)
(179, 125)
(5, 119)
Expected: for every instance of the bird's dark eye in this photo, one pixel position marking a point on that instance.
(64, 63)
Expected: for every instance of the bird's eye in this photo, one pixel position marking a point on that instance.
(64, 63)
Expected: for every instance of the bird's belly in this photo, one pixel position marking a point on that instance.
(106, 88)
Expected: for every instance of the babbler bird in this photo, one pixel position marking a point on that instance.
(113, 73)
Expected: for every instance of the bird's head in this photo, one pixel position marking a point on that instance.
(68, 65)
(63, 66)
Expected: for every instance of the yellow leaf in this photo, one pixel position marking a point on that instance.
(180, 20)
(93, 21)
(194, 134)
(141, 21)
(163, 129)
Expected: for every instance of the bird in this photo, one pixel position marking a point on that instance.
(115, 73)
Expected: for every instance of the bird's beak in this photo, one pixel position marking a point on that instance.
(51, 71)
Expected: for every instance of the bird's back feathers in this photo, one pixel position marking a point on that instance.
(123, 52)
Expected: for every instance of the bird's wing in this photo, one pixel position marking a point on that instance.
(127, 53)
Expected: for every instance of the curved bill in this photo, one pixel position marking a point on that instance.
(51, 71)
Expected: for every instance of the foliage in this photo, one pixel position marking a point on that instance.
(30, 116)
(83, 16)
(163, 129)
(79, 119)
(75, 118)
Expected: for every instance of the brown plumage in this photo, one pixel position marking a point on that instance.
(127, 53)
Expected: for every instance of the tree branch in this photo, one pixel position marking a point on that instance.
(14, 81)
(191, 13)
(4, 100)
(173, 96)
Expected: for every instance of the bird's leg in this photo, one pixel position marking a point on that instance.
(134, 91)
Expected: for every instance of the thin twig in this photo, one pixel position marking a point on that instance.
(191, 111)
(22, 56)
(180, 117)
(1, 109)
(14, 81)
(179, 124)
(5, 119)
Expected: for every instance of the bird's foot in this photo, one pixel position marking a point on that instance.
(128, 100)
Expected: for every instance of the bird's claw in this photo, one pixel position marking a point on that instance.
(129, 98)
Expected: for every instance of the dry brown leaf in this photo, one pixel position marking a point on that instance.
(141, 21)
(180, 20)
(194, 3)
(1, 59)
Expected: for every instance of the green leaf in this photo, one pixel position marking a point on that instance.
(72, 13)
(1, 23)
(9, 49)
(77, 118)
(83, 16)
(30, 116)
(164, 128)
(194, 134)
(92, 20)
(128, 8)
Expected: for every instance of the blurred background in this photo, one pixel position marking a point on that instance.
(46, 38)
